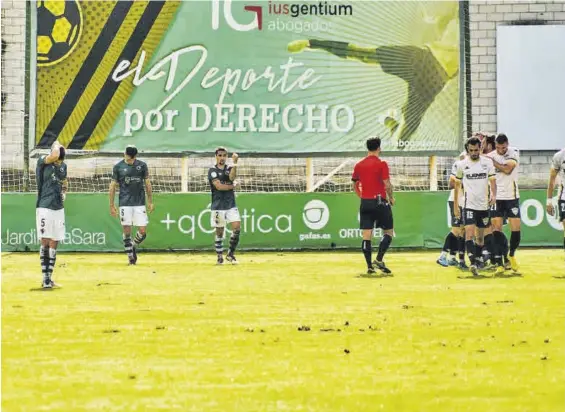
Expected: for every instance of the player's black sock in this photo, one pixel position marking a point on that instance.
(128, 247)
(498, 246)
(489, 244)
(366, 248)
(52, 259)
(450, 241)
(470, 245)
(339, 48)
(139, 238)
(504, 246)
(514, 241)
(454, 245)
(383, 247)
(461, 242)
(219, 245)
(234, 240)
(44, 259)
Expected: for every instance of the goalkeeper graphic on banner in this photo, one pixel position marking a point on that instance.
(426, 69)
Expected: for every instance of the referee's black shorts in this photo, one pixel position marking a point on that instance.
(375, 213)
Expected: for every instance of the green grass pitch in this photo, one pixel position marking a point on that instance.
(281, 332)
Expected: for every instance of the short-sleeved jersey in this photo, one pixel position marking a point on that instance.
(221, 199)
(506, 184)
(558, 163)
(475, 175)
(50, 179)
(371, 172)
(454, 173)
(131, 179)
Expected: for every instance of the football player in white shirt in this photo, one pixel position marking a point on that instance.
(507, 205)
(454, 241)
(557, 169)
(476, 174)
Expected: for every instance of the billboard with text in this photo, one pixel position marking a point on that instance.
(256, 76)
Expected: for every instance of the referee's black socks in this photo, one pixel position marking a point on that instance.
(383, 247)
(366, 248)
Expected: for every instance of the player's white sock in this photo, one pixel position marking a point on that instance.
(443, 254)
(219, 245)
(52, 259)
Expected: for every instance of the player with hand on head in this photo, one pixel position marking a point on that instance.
(505, 160)
(224, 210)
(557, 169)
(372, 184)
(132, 177)
(52, 186)
(475, 173)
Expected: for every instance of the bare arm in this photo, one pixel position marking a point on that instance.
(492, 182)
(149, 191)
(53, 156)
(233, 170)
(551, 183)
(452, 182)
(221, 186)
(112, 195)
(457, 188)
(389, 191)
(505, 168)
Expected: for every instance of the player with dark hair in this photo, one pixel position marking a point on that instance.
(52, 185)
(475, 173)
(454, 241)
(224, 210)
(132, 177)
(426, 70)
(505, 160)
(557, 169)
(372, 184)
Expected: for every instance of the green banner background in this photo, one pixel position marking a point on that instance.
(279, 221)
(424, 42)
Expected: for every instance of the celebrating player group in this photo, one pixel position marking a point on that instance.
(484, 197)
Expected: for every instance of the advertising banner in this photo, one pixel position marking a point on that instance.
(268, 77)
(268, 221)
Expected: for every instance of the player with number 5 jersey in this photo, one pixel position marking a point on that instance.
(51, 172)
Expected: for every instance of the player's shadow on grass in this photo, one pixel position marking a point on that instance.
(43, 289)
(375, 276)
(509, 275)
(478, 277)
(558, 277)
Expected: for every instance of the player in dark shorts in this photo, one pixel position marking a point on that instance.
(51, 173)
(476, 173)
(132, 177)
(372, 184)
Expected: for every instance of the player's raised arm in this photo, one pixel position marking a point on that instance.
(233, 169)
(54, 155)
